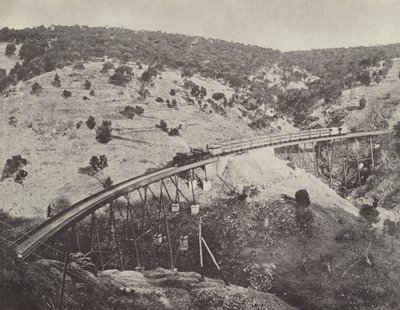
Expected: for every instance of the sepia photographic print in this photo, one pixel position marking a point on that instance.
(200, 154)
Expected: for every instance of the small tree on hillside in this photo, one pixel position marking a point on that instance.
(13, 169)
(98, 163)
(362, 103)
(87, 85)
(365, 78)
(304, 216)
(66, 94)
(10, 49)
(36, 89)
(103, 132)
(91, 122)
(56, 81)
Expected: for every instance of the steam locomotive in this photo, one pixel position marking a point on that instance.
(226, 147)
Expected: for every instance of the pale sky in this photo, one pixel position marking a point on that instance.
(280, 24)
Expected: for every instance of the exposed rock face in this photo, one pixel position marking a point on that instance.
(165, 289)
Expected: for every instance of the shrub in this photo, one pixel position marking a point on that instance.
(87, 85)
(159, 99)
(139, 110)
(103, 132)
(107, 183)
(148, 74)
(362, 103)
(365, 78)
(12, 120)
(302, 198)
(304, 216)
(107, 66)
(370, 213)
(128, 111)
(172, 92)
(218, 96)
(91, 122)
(91, 93)
(79, 124)
(10, 49)
(66, 94)
(174, 131)
(85, 98)
(79, 66)
(122, 76)
(36, 89)
(163, 125)
(98, 163)
(56, 81)
(13, 169)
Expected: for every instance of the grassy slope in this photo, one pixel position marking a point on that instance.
(47, 136)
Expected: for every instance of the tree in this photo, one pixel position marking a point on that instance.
(302, 198)
(304, 216)
(163, 125)
(13, 169)
(218, 96)
(128, 111)
(91, 122)
(87, 85)
(107, 183)
(56, 82)
(139, 110)
(172, 92)
(91, 93)
(98, 163)
(362, 103)
(36, 89)
(365, 78)
(103, 132)
(10, 49)
(66, 94)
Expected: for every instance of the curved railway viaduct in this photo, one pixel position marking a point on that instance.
(66, 219)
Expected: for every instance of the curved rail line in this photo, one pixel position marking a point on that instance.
(65, 219)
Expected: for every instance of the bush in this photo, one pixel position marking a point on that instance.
(365, 78)
(10, 49)
(13, 169)
(172, 92)
(87, 85)
(98, 163)
(218, 96)
(85, 98)
(107, 183)
(163, 125)
(148, 74)
(139, 110)
(56, 81)
(103, 132)
(159, 99)
(66, 94)
(174, 132)
(122, 76)
(91, 93)
(362, 103)
(91, 122)
(107, 66)
(302, 198)
(79, 66)
(128, 111)
(36, 89)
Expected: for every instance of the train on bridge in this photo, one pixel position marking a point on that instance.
(227, 147)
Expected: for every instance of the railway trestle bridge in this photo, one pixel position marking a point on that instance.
(144, 206)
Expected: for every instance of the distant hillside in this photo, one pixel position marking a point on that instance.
(45, 49)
